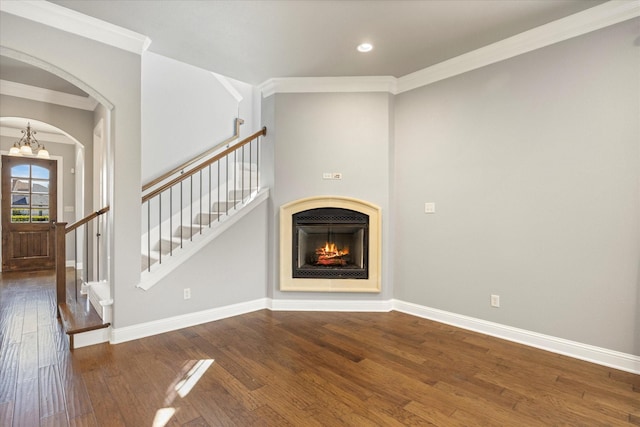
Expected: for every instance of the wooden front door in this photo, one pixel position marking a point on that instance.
(29, 208)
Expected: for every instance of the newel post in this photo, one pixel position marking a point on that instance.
(61, 261)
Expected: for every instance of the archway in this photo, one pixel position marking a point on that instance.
(80, 173)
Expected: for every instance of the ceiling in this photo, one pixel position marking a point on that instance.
(255, 40)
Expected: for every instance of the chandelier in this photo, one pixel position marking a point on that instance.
(28, 145)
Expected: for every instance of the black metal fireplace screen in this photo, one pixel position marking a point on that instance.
(330, 243)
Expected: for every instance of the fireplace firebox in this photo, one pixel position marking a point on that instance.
(330, 243)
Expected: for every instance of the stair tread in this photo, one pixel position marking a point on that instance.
(76, 319)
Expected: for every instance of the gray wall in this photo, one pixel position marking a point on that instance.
(329, 132)
(533, 164)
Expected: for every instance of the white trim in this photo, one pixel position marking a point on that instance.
(601, 356)
(330, 305)
(77, 23)
(142, 330)
(595, 18)
(72, 263)
(328, 84)
(39, 94)
(97, 336)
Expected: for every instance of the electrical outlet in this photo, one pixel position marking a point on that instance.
(495, 300)
(187, 293)
(337, 175)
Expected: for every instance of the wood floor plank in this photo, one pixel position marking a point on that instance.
(86, 420)
(56, 420)
(267, 416)
(26, 410)
(6, 413)
(103, 404)
(14, 334)
(9, 363)
(432, 415)
(46, 313)
(128, 403)
(544, 406)
(51, 392)
(47, 355)
(31, 315)
(28, 364)
(77, 400)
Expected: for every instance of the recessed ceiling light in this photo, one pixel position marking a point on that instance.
(365, 47)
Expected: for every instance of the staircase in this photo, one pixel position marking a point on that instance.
(188, 207)
(196, 221)
(211, 193)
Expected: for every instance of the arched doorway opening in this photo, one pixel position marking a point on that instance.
(70, 118)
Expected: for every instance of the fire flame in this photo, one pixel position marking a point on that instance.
(330, 254)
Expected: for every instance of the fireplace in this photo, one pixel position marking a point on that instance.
(330, 244)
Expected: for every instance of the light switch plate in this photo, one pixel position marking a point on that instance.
(429, 207)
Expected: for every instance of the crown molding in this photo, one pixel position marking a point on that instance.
(589, 20)
(328, 84)
(77, 23)
(595, 18)
(34, 93)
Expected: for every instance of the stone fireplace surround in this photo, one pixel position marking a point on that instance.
(289, 283)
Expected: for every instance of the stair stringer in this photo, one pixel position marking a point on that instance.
(149, 278)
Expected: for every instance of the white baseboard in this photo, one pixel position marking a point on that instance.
(72, 263)
(330, 305)
(88, 338)
(142, 330)
(601, 356)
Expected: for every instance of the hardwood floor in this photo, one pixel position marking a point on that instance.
(293, 369)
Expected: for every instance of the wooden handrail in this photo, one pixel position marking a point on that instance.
(195, 159)
(215, 158)
(86, 219)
